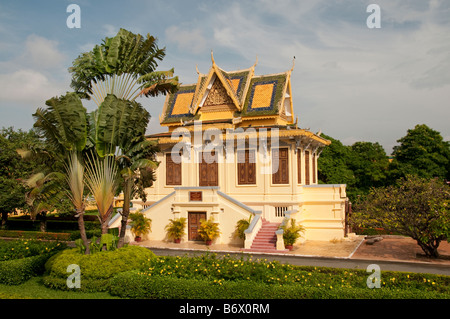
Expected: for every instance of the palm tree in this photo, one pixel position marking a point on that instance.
(102, 181)
(119, 130)
(75, 179)
(64, 127)
(113, 75)
(124, 66)
(43, 195)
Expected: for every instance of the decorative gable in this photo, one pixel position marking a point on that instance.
(236, 96)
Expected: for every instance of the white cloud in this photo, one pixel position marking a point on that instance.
(190, 40)
(35, 75)
(110, 30)
(28, 86)
(41, 52)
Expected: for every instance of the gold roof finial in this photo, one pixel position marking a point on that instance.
(256, 62)
(293, 64)
(196, 68)
(212, 57)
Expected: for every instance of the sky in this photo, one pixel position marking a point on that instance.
(352, 82)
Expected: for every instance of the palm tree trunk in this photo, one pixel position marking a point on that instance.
(105, 220)
(125, 212)
(83, 232)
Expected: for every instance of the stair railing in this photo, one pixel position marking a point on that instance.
(252, 230)
(280, 231)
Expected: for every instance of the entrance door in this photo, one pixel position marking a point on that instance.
(209, 169)
(194, 224)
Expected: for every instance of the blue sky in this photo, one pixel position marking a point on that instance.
(351, 82)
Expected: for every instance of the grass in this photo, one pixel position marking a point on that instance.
(34, 289)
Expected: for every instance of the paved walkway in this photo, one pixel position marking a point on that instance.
(391, 253)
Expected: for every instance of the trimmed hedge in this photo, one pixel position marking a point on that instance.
(52, 224)
(96, 269)
(137, 285)
(34, 235)
(17, 271)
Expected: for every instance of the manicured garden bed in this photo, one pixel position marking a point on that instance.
(208, 277)
(135, 272)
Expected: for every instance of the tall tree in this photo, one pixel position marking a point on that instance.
(13, 170)
(416, 207)
(64, 127)
(421, 152)
(114, 74)
(369, 164)
(125, 66)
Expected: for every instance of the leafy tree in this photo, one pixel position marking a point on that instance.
(417, 207)
(13, 170)
(421, 152)
(114, 74)
(125, 66)
(369, 164)
(64, 127)
(333, 163)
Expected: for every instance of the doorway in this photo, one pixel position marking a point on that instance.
(194, 219)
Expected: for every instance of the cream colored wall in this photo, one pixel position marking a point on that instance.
(322, 211)
(217, 207)
(320, 207)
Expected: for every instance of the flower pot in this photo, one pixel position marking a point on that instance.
(208, 242)
(177, 240)
(137, 239)
(290, 247)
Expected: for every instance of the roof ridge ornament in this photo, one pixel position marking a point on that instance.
(293, 64)
(212, 58)
(256, 62)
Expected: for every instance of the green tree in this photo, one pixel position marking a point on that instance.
(369, 164)
(333, 166)
(421, 152)
(416, 207)
(13, 170)
(333, 163)
(64, 128)
(114, 74)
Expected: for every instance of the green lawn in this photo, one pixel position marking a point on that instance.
(34, 289)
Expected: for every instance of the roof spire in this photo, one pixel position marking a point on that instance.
(293, 64)
(256, 62)
(212, 57)
(196, 68)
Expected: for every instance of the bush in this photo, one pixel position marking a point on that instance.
(96, 269)
(17, 271)
(21, 248)
(139, 285)
(226, 268)
(34, 235)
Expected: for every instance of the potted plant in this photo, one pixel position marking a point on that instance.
(291, 233)
(208, 231)
(176, 229)
(140, 225)
(241, 226)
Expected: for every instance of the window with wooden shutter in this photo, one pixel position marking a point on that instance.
(299, 166)
(208, 169)
(173, 171)
(307, 180)
(281, 157)
(246, 167)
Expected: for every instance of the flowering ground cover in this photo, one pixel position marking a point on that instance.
(219, 269)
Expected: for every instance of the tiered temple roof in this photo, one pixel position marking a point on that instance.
(236, 96)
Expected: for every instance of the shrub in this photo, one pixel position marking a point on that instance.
(136, 284)
(96, 269)
(21, 248)
(17, 271)
(34, 235)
